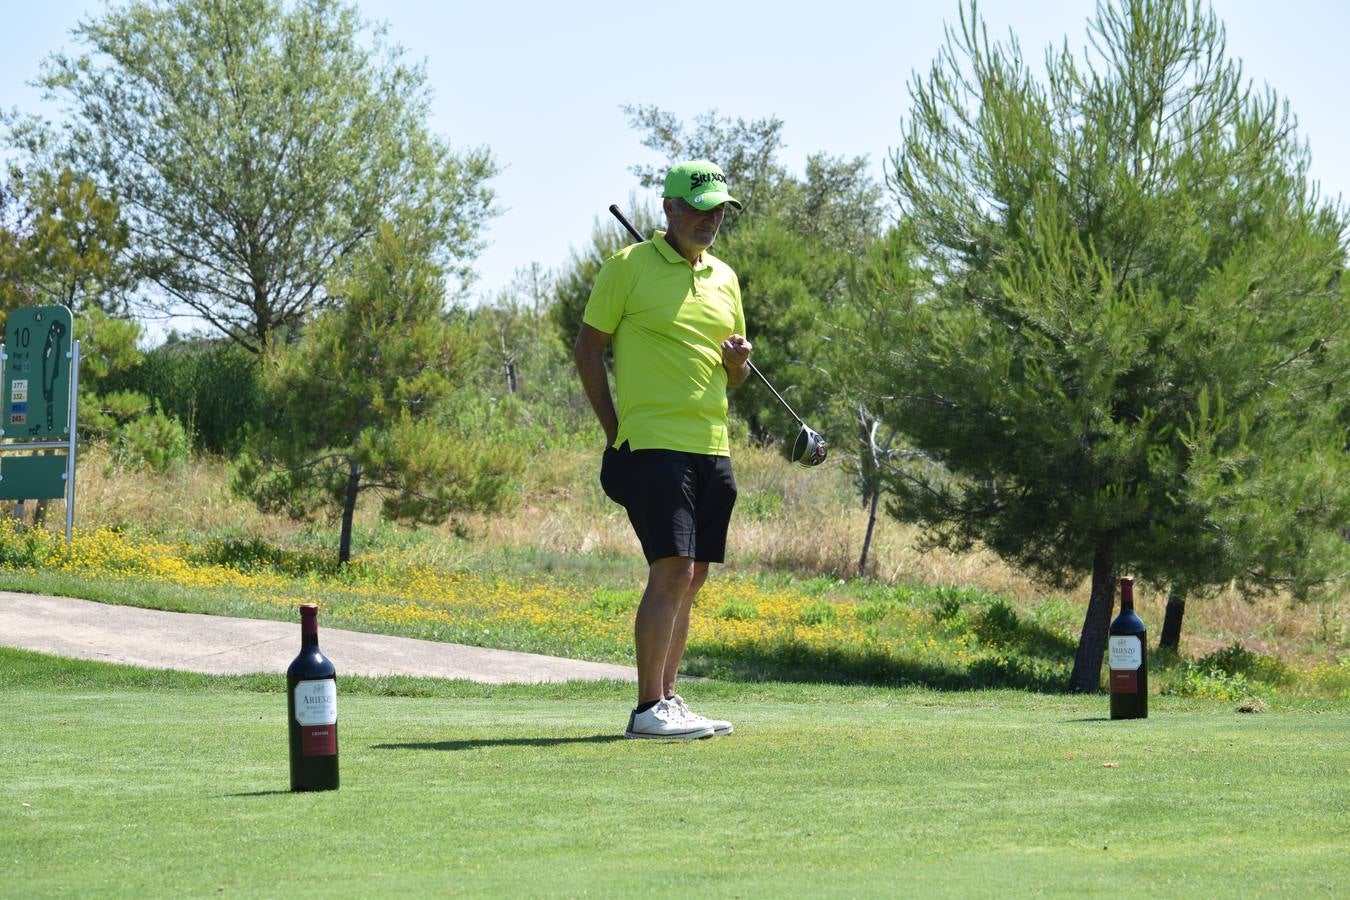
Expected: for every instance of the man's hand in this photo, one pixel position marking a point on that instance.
(736, 359)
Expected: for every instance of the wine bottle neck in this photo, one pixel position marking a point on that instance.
(309, 629)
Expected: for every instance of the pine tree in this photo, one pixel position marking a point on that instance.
(1127, 351)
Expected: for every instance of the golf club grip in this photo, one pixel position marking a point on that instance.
(614, 208)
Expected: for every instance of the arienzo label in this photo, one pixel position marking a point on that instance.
(316, 702)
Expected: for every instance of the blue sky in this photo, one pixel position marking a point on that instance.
(541, 84)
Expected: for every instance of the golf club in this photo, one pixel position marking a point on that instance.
(808, 447)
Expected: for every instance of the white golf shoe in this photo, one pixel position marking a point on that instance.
(666, 721)
(719, 726)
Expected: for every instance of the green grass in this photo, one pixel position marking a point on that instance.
(124, 782)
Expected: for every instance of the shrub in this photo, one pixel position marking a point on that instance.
(1238, 660)
(152, 441)
(1210, 684)
(211, 385)
(996, 624)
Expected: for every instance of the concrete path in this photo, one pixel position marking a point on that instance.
(221, 645)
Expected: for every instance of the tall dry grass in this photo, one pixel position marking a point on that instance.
(805, 522)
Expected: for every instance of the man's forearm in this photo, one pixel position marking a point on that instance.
(594, 381)
(736, 375)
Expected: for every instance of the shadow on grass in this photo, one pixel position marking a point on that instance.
(796, 663)
(502, 742)
(259, 794)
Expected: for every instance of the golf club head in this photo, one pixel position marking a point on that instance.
(808, 448)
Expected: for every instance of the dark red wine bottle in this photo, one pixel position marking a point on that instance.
(311, 700)
(1128, 659)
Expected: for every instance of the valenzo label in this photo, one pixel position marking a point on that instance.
(1125, 652)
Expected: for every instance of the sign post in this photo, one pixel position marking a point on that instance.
(39, 400)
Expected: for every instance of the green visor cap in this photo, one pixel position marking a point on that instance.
(701, 184)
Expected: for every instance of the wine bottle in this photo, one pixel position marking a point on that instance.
(1128, 659)
(311, 700)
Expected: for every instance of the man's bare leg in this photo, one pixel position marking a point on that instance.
(679, 633)
(668, 582)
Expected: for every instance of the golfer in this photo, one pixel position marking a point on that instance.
(673, 312)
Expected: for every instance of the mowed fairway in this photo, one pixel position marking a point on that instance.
(118, 782)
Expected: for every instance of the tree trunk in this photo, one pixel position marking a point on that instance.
(875, 493)
(1087, 663)
(1176, 610)
(348, 511)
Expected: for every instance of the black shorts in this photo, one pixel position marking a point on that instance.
(679, 503)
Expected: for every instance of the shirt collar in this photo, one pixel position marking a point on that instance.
(672, 255)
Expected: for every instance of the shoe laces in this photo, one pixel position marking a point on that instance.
(677, 703)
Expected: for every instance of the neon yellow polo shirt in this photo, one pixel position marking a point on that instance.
(668, 320)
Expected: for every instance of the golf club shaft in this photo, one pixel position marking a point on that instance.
(614, 209)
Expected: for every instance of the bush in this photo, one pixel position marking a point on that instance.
(213, 386)
(152, 441)
(996, 624)
(1238, 660)
(1210, 684)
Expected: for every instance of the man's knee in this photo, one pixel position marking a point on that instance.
(698, 577)
(672, 575)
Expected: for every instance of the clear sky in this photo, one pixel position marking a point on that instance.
(542, 83)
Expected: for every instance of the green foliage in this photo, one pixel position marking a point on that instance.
(1238, 660)
(524, 389)
(60, 239)
(996, 624)
(761, 506)
(65, 250)
(608, 604)
(737, 610)
(821, 612)
(254, 144)
(150, 440)
(364, 394)
(1123, 350)
(213, 386)
(1195, 680)
(252, 555)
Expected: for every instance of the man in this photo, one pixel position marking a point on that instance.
(673, 312)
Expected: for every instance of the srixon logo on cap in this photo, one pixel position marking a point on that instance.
(699, 179)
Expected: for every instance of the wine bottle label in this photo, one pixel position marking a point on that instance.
(316, 702)
(318, 740)
(1123, 681)
(1126, 652)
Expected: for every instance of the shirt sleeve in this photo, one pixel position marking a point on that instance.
(609, 296)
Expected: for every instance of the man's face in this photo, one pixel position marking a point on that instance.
(691, 228)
